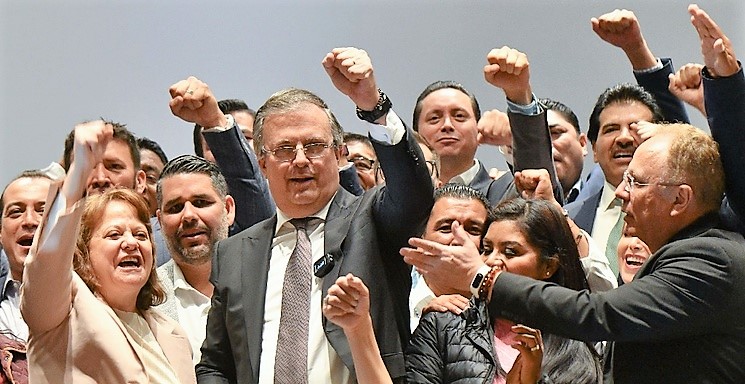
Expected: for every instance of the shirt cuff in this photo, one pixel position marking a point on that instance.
(532, 109)
(645, 71)
(389, 134)
(230, 124)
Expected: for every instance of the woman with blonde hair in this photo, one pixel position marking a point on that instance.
(88, 303)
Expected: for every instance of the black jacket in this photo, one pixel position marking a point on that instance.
(449, 348)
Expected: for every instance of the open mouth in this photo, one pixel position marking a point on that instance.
(634, 261)
(130, 262)
(623, 155)
(25, 240)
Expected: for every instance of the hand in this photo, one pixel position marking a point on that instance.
(535, 184)
(351, 71)
(494, 128)
(719, 55)
(621, 29)
(509, 69)
(89, 146)
(447, 268)
(645, 129)
(443, 303)
(527, 366)
(348, 303)
(192, 101)
(686, 85)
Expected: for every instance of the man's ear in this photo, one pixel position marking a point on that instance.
(140, 182)
(262, 165)
(230, 208)
(583, 142)
(683, 200)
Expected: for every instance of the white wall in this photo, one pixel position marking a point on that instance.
(65, 62)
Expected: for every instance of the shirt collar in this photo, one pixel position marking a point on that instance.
(283, 218)
(179, 281)
(467, 177)
(608, 197)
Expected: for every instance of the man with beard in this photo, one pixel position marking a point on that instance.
(195, 211)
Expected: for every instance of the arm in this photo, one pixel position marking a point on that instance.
(46, 293)
(348, 306)
(509, 70)
(724, 98)
(238, 163)
(405, 201)
(689, 287)
(597, 270)
(621, 28)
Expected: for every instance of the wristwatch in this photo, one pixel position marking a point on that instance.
(479, 279)
(381, 108)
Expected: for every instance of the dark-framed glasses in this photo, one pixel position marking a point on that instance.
(362, 163)
(287, 153)
(632, 183)
(432, 168)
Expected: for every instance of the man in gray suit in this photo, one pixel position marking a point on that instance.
(298, 143)
(194, 211)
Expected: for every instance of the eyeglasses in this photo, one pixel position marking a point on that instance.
(287, 153)
(432, 167)
(632, 183)
(362, 163)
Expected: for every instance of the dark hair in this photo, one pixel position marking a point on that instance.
(186, 164)
(152, 292)
(570, 361)
(234, 105)
(436, 86)
(120, 133)
(226, 106)
(462, 192)
(351, 137)
(152, 146)
(29, 173)
(546, 228)
(563, 110)
(625, 92)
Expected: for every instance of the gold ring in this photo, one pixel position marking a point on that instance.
(537, 347)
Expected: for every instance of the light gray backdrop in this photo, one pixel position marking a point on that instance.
(65, 62)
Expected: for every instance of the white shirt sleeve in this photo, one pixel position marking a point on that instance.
(389, 134)
(597, 269)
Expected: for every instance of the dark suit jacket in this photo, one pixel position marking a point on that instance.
(363, 233)
(531, 150)
(249, 188)
(679, 321)
(725, 109)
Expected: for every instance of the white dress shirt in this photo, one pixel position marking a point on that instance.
(606, 216)
(192, 307)
(10, 312)
(324, 364)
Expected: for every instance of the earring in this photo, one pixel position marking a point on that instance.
(548, 273)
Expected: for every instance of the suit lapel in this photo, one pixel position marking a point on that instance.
(336, 228)
(585, 217)
(170, 342)
(255, 254)
(338, 221)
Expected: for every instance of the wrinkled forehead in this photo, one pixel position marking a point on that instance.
(303, 122)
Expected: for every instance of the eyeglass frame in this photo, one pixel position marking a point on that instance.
(295, 149)
(631, 182)
(435, 171)
(360, 157)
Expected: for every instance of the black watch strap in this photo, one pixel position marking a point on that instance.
(381, 108)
